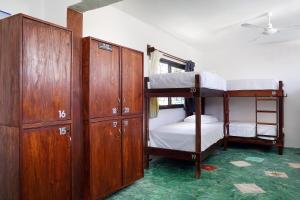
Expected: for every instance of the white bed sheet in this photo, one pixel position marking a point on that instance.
(245, 129)
(181, 136)
(187, 80)
(253, 84)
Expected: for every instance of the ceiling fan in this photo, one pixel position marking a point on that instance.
(269, 29)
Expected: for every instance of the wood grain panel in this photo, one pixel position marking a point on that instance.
(104, 75)
(132, 81)
(132, 150)
(10, 54)
(46, 164)
(75, 24)
(46, 72)
(105, 158)
(9, 165)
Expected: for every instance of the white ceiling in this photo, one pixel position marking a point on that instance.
(201, 22)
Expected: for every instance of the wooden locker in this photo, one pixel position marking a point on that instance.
(112, 80)
(46, 73)
(101, 80)
(132, 149)
(105, 153)
(45, 165)
(132, 82)
(35, 102)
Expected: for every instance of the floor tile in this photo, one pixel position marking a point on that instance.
(255, 159)
(276, 174)
(240, 163)
(249, 188)
(295, 165)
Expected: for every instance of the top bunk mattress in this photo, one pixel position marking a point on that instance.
(253, 84)
(187, 80)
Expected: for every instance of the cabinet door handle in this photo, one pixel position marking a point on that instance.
(119, 101)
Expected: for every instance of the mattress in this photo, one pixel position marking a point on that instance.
(181, 136)
(187, 80)
(243, 129)
(252, 84)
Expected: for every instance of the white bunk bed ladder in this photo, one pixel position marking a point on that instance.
(275, 112)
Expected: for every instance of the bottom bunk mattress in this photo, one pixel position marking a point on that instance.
(181, 136)
(244, 129)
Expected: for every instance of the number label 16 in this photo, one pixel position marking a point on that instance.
(62, 114)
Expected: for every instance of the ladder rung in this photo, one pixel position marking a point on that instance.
(266, 99)
(265, 123)
(267, 111)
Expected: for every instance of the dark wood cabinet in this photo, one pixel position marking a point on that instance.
(132, 149)
(113, 116)
(46, 168)
(132, 82)
(105, 153)
(46, 73)
(104, 81)
(35, 105)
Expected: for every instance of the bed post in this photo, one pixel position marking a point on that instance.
(146, 124)
(197, 97)
(226, 118)
(280, 141)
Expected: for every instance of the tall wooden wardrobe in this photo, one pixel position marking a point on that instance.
(113, 116)
(35, 110)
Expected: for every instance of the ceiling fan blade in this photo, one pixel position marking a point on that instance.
(251, 26)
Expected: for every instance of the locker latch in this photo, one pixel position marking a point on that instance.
(115, 124)
(126, 110)
(115, 110)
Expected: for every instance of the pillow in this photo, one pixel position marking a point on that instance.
(205, 119)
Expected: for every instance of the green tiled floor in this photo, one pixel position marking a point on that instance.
(170, 179)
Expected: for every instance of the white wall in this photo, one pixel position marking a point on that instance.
(56, 10)
(33, 8)
(237, 60)
(113, 25)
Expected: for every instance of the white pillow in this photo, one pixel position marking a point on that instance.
(205, 119)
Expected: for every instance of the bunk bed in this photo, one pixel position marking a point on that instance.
(258, 132)
(188, 85)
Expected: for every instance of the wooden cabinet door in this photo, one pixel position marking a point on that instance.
(46, 72)
(105, 158)
(46, 164)
(132, 81)
(104, 75)
(132, 150)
